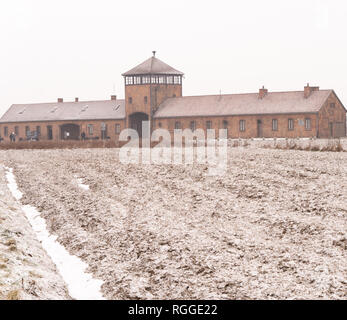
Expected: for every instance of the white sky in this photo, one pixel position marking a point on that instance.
(68, 49)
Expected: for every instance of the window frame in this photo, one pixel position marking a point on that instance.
(308, 124)
(291, 127)
(90, 129)
(192, 125)
(178, 125)
(242, 125)
(274, 124)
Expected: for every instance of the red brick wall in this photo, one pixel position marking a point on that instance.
(155, 93)
(332, 119)
(111, 131)
(251, 125)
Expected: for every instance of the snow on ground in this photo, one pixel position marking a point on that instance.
(272, 227)
(26, 271)
(81, 285)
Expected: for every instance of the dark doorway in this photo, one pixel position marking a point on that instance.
(136, 119)
(49, 133)
(331, 129)
(259, 129)
(70, 131)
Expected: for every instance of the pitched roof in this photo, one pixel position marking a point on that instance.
(152, 66)
(66, 111)
(242, 104)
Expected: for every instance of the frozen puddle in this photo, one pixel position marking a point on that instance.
(81, 285)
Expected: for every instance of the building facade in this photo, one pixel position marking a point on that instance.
(153, 92)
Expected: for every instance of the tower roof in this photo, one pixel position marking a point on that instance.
(152, 66)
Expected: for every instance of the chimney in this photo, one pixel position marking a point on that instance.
(60, 100)
(113, 97)
(262, 92)
(308, 90)
(154, 52)
(76, 99)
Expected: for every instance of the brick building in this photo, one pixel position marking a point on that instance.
(153, 91)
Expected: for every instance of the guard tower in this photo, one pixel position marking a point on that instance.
(146, 87)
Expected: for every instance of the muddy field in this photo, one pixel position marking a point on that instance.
(274, 226)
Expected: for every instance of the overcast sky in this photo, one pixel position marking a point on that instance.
(68, 49)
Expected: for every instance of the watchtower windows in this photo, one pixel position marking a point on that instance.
(137, 80)
(154, 79)
(177, 80)
(146, 80)
(129, 80)
(169, 80)
(162, 79)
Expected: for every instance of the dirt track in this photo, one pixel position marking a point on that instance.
(273, 227)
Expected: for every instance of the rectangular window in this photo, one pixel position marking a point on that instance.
(192, 125)
(137, 80)
(274, 124)
(90, 129)
(177, 125)
(332, 105)
(27, 131)
(290, 124)
(169, 80)
(161, 79)
(154, 79)
(308, 124)
(129, 80)
(38, 131)
(130, 99)
(242, 125)
(145, 100)
(177, 80)
(146, 80)
(16, 130)
(5, 131)
(225, 126)
(117, 128)
(208, 125)
(49, 133)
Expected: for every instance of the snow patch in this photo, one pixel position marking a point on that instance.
(82, 185)
(81, 285)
